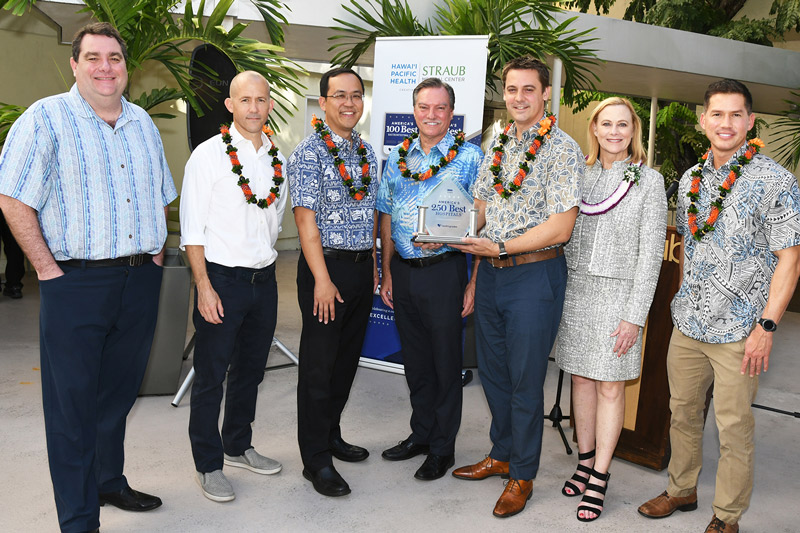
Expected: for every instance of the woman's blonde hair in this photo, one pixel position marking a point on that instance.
(635, 149)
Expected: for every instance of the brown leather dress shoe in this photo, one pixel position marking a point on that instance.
(664, 505)
(514, 498)
(718, 526)
(486, 468)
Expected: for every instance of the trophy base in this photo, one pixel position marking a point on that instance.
(439, 239)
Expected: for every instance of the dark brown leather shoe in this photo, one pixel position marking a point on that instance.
(514, 498)
(486, 468)
(718, 526)
(664, 505)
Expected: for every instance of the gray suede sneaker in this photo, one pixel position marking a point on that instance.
(215, 486)
(254, 462)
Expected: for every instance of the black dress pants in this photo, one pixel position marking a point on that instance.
(329, 355)
(427, 305)
(239, 347)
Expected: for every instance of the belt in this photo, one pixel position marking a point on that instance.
(354, 256)
(422, 262)
(251, 275)
(131, 260)
(527, 257)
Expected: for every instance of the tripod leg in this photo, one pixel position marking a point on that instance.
(556, 415)
(184, 387)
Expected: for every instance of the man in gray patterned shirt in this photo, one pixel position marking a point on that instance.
(739, 213)
(527, 192)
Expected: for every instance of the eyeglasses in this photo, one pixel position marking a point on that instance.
(341, 98)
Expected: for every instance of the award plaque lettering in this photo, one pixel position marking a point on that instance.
(447, 215)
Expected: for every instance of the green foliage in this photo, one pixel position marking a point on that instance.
(787, 130)
(709, 17)
(387, 19)
(153, 33)
(760, 31)
(787, 15)
(18, 7)
(514, 27)
(9, 113)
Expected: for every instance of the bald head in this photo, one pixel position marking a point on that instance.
(245, 78)
(250, 104)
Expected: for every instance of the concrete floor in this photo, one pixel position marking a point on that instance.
(385, 495)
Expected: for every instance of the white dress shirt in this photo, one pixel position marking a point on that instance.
(214, 213)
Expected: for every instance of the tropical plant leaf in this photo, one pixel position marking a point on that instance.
(387, 19)
(18, 7)
(514, 27)
(148, 101)
(153, 33)
(9, 113)
(787, 133)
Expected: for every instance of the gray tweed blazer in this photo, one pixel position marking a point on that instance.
(629, 240)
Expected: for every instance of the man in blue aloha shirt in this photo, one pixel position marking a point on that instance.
(740, 266)
(427, 286)
(332, 180)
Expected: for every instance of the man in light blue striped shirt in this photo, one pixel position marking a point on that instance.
(84, 185)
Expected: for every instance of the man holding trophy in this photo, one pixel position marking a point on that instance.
(528, 192)
(426, 284)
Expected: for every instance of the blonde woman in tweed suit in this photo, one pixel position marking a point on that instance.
(614, 258)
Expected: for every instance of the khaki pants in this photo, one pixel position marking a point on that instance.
(692, 366)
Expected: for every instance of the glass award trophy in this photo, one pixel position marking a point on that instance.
(447, 215)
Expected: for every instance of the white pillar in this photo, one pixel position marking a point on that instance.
(555, 90)
(651, 138)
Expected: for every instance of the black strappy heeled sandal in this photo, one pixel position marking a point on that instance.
(591, 499)
(580, 479)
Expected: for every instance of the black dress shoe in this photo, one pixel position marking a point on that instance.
(13, 291)
(347, 452)
(434, 467)
(130, 500)
(405, 450)
(327, 481)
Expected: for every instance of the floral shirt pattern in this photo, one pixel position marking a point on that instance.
(727, 274)
(400, 197)
(552, 186)
(344, 223)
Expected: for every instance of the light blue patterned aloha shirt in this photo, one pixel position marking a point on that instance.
(344, 223)
(99, 190)
(400, 197)
(552, 186)
(727, 274)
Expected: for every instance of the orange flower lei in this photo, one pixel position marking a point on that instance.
(416, 176)
(324, 134)
(542, 134)
(753, 147)
(244, 183)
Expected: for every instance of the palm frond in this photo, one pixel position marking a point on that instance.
(18, 7)
(386, 20)
(9, 113)
(787, 132)
(514, 27)
(148, 101)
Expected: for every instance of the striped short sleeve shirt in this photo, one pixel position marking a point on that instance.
(99, 190)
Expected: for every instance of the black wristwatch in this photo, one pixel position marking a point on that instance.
(768, 325)
(503, 253)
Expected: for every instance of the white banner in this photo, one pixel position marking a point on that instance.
(402, 62)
